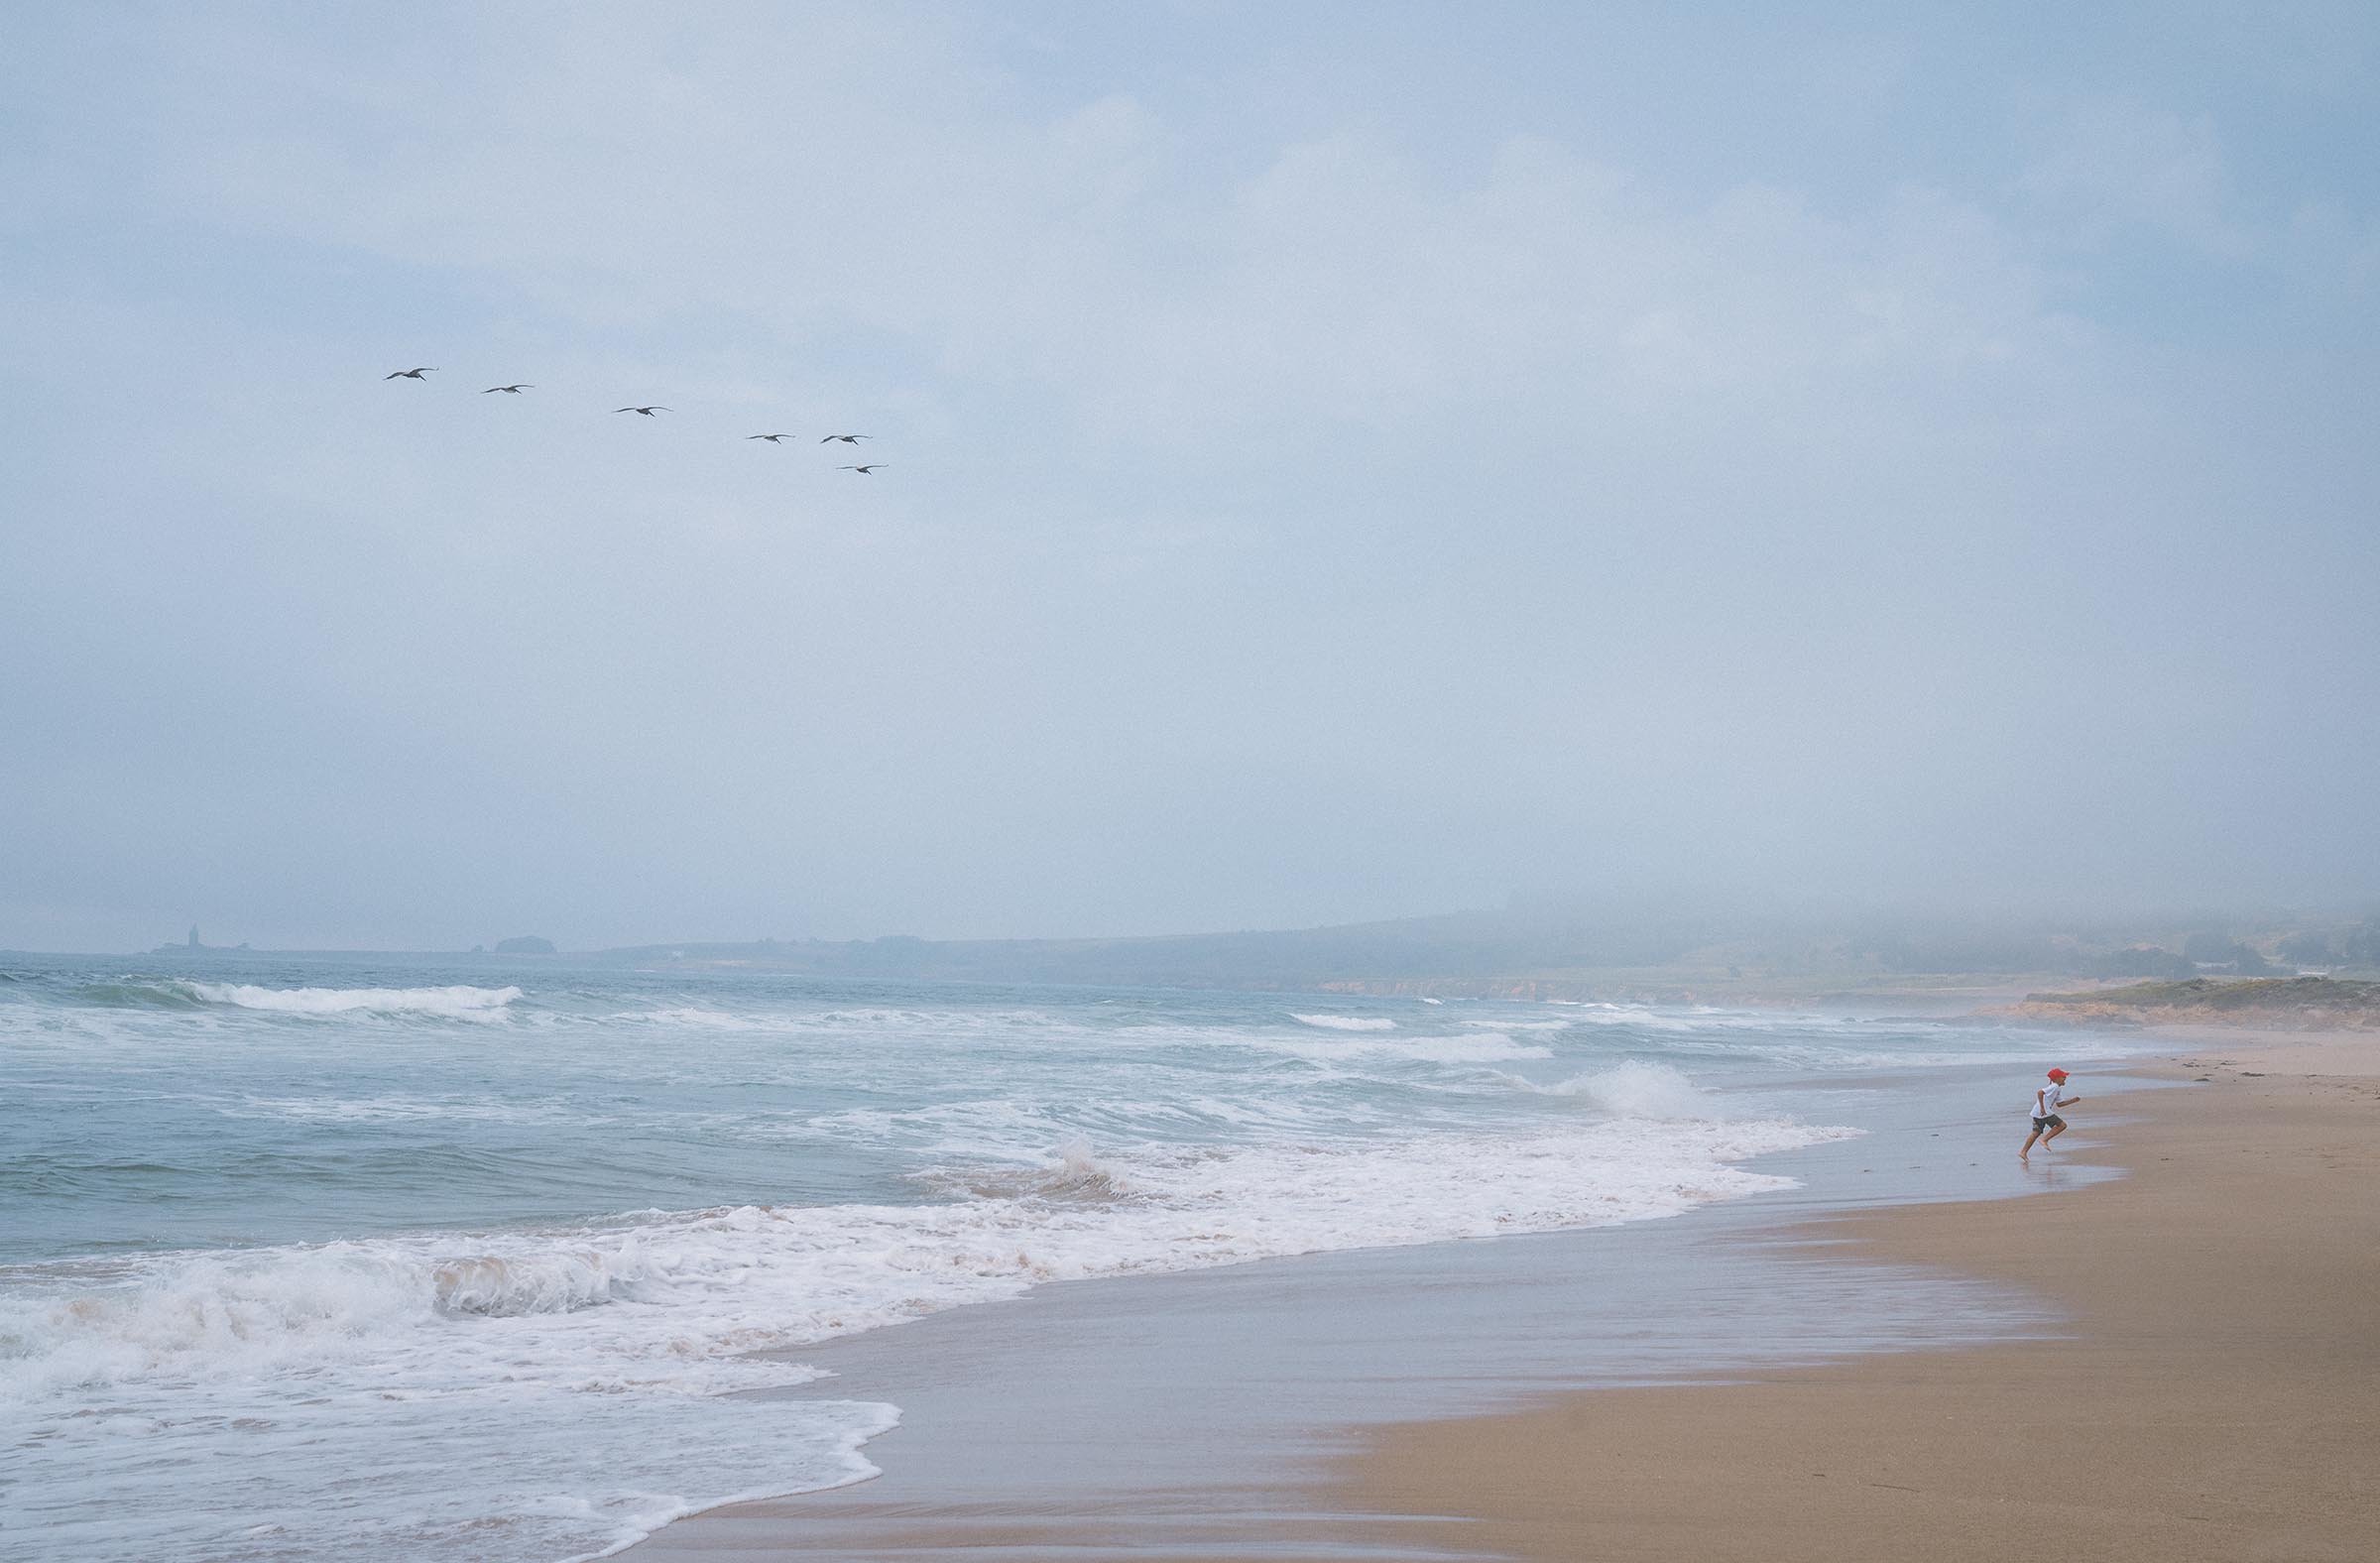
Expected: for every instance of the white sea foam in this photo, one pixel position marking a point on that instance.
(1633, 1088)
(696, 1017)
(402, 1109)
(1699, 1019)
(481, 1346)
(525, 1394)
(1472, 1048)
(748, 1276)
(458, 1002)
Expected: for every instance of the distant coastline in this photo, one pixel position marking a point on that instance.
(2202, 967)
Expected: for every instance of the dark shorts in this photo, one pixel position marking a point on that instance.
(2050, 1122)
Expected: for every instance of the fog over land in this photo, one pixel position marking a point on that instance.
(1341, 464)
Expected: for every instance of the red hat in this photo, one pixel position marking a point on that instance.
(2057, 1074)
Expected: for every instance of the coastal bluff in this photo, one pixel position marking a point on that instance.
(2310, 1004)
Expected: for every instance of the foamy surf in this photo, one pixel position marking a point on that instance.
(481, 1345)
(414, 1280)
(456, 1003)
(1469, 1048)
(1633, 1088)
(751, 1276)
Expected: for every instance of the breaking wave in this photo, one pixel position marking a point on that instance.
(1471, 1047)
(458, 1002)
(493, 1346)
(727, 1281)
(1634, 1090)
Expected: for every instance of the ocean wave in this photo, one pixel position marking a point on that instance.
(1074, 1172)
(132, 994)
(467, 1385)
(1469, 1048)
(1633, 1088)
(456, 1003)
(777, 1019)
(1032, 1022)
(985, 1128)
(514, 1352)
(402, 1109)
(1696, 1018)
(697, 1017)
(500, 1375)
(713, 1283)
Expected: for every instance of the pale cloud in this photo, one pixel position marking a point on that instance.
(1266, 484)
(2116, 163)
(812, 181)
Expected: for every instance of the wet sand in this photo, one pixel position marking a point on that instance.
(2217, 1395)
(1154, 1415)
(2199, 1380)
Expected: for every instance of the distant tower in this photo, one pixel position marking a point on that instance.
(194, 944)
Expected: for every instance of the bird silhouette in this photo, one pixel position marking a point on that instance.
(647, 411)
(866, 470)
(849, 440)
(413, 374)
(509, 390)
(771, 439)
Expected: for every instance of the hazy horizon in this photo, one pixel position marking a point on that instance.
(1341, 464)
(1703, 924)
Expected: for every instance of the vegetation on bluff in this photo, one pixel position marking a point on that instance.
(2299, 1001)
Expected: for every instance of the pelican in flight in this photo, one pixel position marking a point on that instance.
(849, 440)
(509, 390)
(864, 472)
(647, 411)
(771, 439)
(413, 374)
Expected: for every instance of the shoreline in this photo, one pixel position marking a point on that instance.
(2119, 1424)
(1126, 1416)
(2214, 1396)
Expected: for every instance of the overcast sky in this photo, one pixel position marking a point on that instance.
(1343, 461)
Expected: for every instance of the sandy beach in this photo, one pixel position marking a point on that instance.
(2217, 1397)
(2207, 1390)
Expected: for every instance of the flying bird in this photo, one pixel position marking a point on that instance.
(864, 472)
(413, 374)
(849, 440)
(509, 390)
(772, 438)
(647, 411)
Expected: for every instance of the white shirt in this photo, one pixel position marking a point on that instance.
(2045, 1100)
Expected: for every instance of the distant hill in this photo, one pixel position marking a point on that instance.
(1542, 952)
(1897, 958)
(1456, 951)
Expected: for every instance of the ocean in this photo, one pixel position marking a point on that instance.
(391, 1258)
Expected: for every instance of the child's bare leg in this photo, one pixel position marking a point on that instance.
(2028, 1150)
(2055, 1130)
